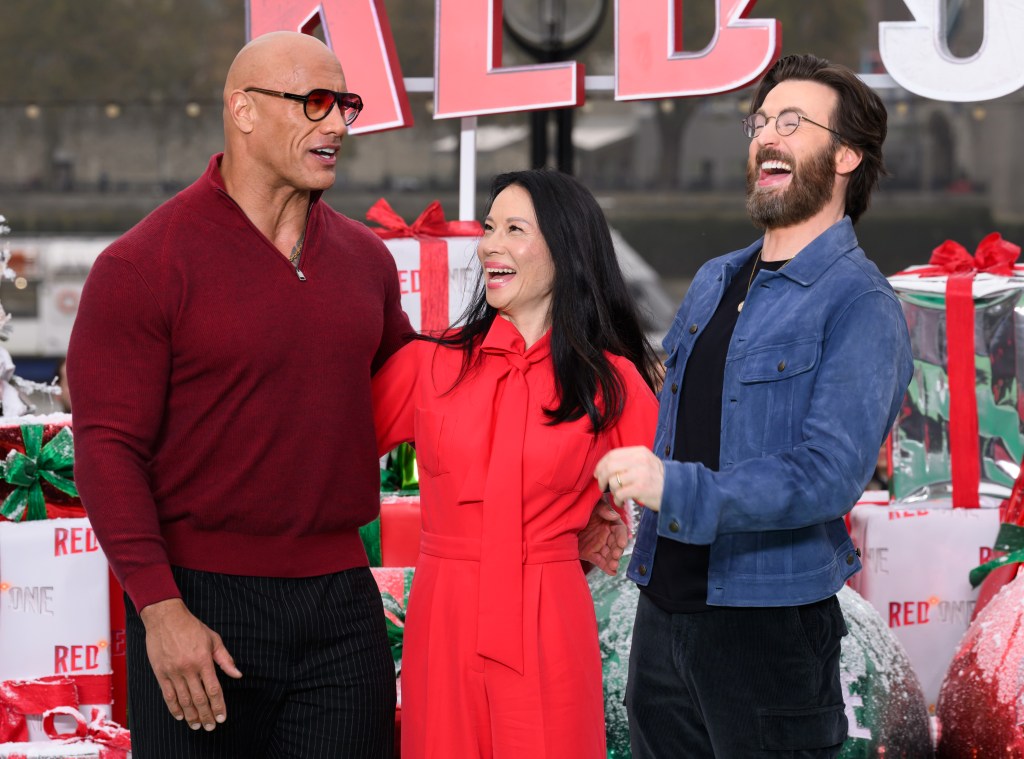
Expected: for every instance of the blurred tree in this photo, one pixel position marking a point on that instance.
(101, 51)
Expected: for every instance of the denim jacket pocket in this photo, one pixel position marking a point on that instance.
(772, 378)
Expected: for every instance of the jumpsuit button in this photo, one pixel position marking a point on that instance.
(643, 570)
(675, 388)
(693, 329)
(674, 526)
(782, 365)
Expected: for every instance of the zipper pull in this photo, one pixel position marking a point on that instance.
(302, 277)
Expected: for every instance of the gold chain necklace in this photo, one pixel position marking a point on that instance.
(750, 281)
(293, 257)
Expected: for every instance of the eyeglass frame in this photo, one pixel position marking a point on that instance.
(754, 132)
(304, 99)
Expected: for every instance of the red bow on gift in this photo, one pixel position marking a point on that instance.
(18, 698)
(430, 223)
(994, 255)
(430, 228)
(115, 739)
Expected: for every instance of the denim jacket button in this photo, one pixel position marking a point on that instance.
(673, 526)
(782, 365)
(643, 570)
(693, 329)
(675, 388)
(668, 450)
(849, 558)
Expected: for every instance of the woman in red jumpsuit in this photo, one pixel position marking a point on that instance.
(509, 415)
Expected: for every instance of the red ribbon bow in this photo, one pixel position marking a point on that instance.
(116, 739)
(430, 223)
(429, 228)
(21, 697)
(994, 255)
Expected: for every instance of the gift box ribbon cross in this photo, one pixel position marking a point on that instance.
(53, 462)
(994, 255)
(429, 228)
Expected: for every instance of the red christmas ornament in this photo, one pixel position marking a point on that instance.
(981, 705)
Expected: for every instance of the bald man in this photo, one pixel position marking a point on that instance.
(221, 364)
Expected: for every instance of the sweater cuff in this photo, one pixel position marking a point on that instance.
(150, 585)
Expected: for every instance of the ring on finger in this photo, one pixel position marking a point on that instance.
(618, 480)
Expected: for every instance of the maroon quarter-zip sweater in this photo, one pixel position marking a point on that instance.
(222, 413)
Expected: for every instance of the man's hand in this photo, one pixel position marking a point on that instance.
(632, 473)
(604, 538)
(182, 651)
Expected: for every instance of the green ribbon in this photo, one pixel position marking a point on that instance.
(401, 474)
(1009, 539)
(370, 533)
(396, 633)
(53, 462)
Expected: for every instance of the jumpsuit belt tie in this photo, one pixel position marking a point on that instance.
(563, 548)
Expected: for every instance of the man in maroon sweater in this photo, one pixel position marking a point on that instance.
(221, 365)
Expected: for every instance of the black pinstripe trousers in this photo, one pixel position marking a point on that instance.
(318, 678)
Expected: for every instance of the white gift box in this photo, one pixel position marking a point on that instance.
(54, 601)
(916, 564)
(418, 287)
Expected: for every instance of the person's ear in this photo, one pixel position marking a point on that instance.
(240, 111)
(847, 159)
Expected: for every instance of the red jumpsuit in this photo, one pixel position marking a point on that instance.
(501, 655)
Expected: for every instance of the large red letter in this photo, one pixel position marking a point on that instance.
(650, 63)
(365, 49)
(469, 79)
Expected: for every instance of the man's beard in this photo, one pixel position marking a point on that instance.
(810, 189)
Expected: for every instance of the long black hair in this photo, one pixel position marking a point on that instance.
(591, 309)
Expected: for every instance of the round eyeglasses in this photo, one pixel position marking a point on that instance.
(786, 123)
(317, 104)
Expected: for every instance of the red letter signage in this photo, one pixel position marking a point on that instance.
(650, 63)
(469, 79)
(364, 47)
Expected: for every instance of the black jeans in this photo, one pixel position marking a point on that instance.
(318, 679)
(737, 683)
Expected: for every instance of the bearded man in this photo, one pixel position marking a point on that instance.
(787, 363)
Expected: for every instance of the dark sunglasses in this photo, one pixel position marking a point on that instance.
(317, 104)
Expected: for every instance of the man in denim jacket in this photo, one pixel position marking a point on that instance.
(787, 364)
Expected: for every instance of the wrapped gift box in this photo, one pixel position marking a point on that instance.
(393, 539)
(36, 480)
(436, 259)
(917, 561)
(992, 419)
(51, 750)
(55, 606)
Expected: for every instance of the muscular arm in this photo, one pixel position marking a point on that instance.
(118, 367)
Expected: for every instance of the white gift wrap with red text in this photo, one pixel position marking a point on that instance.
(444, 287)
(54, 603)
(916, 564)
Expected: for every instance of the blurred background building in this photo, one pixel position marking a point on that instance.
(108, 107)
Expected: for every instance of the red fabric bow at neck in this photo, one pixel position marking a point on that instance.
(994, 255)
(430, 228)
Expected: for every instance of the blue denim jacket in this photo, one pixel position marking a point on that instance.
(814, 377)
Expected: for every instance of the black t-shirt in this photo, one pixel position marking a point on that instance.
(679, 580)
